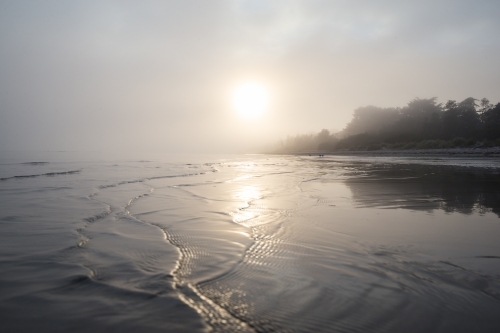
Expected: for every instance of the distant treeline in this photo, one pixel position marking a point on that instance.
(421, 124)
(323, 141)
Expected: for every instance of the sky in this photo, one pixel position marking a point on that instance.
(160, 75)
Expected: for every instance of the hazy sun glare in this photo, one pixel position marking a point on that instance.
(251, 99)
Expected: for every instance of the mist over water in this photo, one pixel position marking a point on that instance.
(249, 243)
(100, 234)
(160, 76)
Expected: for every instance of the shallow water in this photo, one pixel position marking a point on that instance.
(248, 243)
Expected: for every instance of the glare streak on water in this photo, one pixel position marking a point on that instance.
(250, 243)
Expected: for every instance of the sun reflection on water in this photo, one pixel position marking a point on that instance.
(246, 194)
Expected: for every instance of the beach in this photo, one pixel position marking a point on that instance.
(250, 243)
(491, 152)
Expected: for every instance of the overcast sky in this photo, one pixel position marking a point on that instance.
(158, 75)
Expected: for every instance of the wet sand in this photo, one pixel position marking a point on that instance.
(492, 152)
(253, 244)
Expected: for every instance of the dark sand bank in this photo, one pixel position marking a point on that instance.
(493, 152)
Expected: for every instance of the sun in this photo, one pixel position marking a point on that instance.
(250, 99)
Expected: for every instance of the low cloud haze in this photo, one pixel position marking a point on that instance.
(158, 75)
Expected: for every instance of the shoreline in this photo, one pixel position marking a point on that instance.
(491, 152)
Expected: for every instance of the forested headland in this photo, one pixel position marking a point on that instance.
(422, 124)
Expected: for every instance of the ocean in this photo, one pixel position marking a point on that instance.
(248, 243)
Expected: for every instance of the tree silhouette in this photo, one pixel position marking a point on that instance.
(422, 120)
(422, 123)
